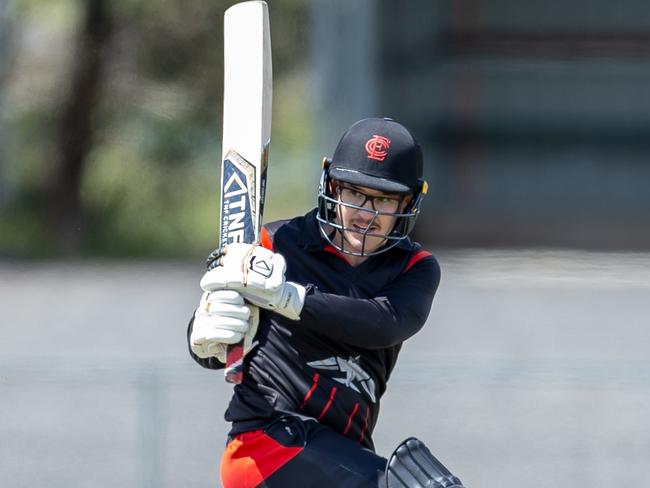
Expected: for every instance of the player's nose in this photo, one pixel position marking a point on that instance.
(364, 215)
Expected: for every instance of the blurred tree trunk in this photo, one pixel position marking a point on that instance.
(64, 212)
(6, 52)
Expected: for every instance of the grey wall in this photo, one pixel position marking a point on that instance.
(534, 117)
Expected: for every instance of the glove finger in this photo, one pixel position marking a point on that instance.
(217, 349)
(203, 339)
(222, 278)
(210, 349)
(219, 309)
(225, 296)
(199, 350)
(201, 309)
(239, 251)
(212, 323)
(257, 299)
(225, 336)
(213, 280)
(235, 253)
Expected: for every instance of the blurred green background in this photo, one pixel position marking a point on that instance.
(111, 123)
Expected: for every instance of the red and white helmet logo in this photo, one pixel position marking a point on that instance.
(377, 147)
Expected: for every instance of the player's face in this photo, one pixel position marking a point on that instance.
(366, 215)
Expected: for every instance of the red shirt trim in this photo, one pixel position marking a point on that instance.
(332, 250)
(311, 390)
(418, 256)
(329, 403)
(365, 425)
(265, 239)
(354, 410)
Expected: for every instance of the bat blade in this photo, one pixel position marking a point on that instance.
(246, 134)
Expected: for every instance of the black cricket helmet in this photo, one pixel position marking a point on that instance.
(375, 153)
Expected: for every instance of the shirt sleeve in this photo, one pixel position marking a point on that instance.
(209, 363)
(395, 314)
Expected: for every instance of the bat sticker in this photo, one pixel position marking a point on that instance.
(238, 202)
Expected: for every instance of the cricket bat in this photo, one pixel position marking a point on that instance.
(247, 93)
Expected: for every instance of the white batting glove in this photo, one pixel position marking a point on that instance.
(222, 318)
(258, 274)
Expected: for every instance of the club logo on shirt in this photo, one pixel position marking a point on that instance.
(355, 376)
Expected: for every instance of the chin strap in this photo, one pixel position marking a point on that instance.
(413, 466)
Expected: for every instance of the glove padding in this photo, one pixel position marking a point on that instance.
(222, 318)
(258, 274)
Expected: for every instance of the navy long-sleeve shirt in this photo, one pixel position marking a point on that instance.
(333, 364)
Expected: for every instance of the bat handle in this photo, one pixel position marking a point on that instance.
(234, 371)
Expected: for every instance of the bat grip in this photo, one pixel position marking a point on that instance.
(234, 371)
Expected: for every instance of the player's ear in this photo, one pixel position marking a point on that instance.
(406, 201)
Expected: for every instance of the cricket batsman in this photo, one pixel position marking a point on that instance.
(323, 304)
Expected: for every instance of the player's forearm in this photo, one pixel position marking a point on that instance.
(370, 323)
(394, 315)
